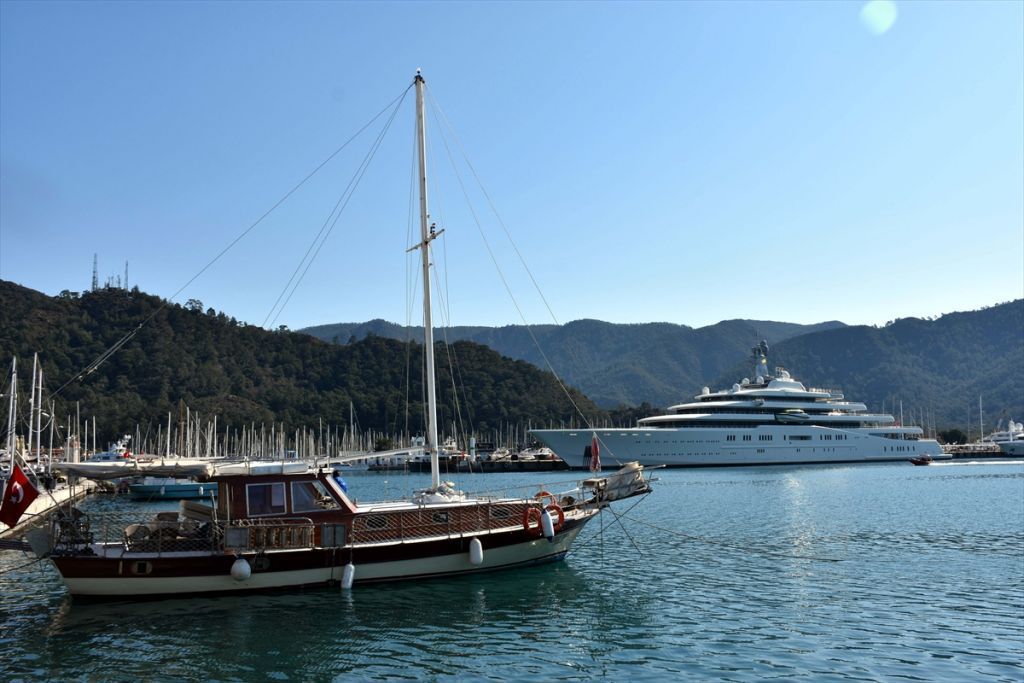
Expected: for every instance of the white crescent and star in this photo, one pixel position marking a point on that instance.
(17, 493)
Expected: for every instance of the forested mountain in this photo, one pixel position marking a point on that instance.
(613, 364)
(936, 367)
(939, 367)
(244, 374)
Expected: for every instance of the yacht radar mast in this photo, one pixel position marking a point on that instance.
(760, 358)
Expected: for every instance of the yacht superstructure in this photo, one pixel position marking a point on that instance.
(1010, 440)
(773, 419)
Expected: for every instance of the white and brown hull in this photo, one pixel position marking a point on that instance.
(113, 573)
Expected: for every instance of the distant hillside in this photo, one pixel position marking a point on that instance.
(613, 364)
(939, 366)
(245, 374)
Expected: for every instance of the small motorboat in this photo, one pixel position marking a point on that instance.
(922, 460)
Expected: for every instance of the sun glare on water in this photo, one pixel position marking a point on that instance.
(878, 16)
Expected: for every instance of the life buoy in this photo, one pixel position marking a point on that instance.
(531, 515)
(541, 495)
(556, 509)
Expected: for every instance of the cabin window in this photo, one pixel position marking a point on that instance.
(265, 499)
(311, 496)
(439, 517)
(501, 513)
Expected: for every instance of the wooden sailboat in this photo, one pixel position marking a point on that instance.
(277, 525)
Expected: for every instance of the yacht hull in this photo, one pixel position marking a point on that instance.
(113, 573)
(767, 445)
(1014, 448)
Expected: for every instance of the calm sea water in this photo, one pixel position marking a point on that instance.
(887, 572)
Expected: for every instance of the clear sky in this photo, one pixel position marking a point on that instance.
(685, 162)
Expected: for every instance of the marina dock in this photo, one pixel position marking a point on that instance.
(45, 505)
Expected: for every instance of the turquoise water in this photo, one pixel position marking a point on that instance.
(887, 572)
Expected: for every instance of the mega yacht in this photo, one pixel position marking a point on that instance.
(771, 420)
(1010, 441)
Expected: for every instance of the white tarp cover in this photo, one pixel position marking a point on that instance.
(178, 468)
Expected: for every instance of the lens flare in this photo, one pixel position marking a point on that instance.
(878, 16)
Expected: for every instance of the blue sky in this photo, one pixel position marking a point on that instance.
(681, 162)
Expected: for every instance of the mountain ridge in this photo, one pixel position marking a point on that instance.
(619, 363)
(217, 365)
(935, 368)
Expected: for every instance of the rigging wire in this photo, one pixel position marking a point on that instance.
(731, 546)
(11, 570)
(410, 285)
(453, 363)
(329, 224)
(508, 289)
(89, 369)
(494, 209)
(444, 304)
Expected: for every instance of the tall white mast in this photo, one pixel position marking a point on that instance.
(32, 406)
(427, 234)
(12, 411)
(981, 421)
(39, 416)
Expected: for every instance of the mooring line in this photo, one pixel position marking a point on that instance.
(23, 566)
(600, 533)
(733, 546)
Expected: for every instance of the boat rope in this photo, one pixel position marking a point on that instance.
(332, 218)
(504, 280)
(21, 566)
(732, 546)
(618, 519)
(443, 117)
(454, 368)
(91, 367)
(412, 283)
(6, 544)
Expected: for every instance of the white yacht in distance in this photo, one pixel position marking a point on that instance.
(1010, 441)
(773, 420)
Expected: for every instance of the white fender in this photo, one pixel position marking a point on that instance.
(348, 576)
(240, 570)
(476, 552)
(547, 525)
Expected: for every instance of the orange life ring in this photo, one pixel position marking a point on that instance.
(532, 513)
(556, 509)
(541, 495)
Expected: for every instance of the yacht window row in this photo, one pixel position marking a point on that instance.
(722, 424)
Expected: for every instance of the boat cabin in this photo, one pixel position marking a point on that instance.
(277, 490)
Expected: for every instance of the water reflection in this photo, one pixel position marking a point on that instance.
(429, 624)
(724, 582)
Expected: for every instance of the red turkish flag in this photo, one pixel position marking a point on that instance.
(18, 495)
